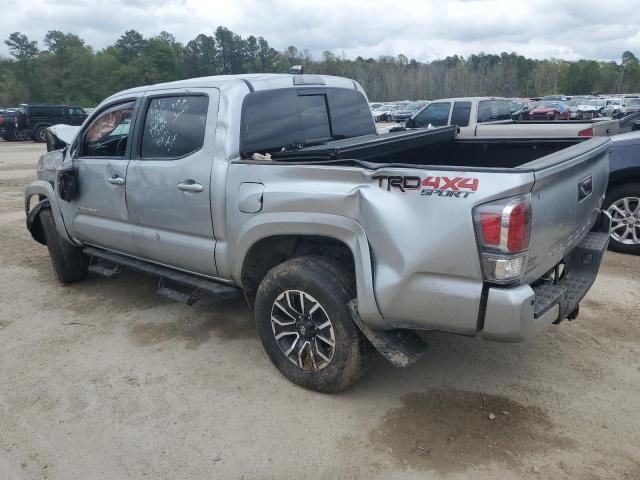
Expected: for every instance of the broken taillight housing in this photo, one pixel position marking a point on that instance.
(503, 230)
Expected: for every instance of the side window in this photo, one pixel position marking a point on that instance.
(493, 110)
(461, 113)
(76, 111)
(174, 126)
(436, 114)
(108, 134)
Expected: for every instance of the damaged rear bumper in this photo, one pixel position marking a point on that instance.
(519, 313)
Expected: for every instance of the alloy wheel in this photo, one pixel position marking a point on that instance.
(303, 330)
(625, 220)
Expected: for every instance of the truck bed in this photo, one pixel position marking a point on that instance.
(434, 147)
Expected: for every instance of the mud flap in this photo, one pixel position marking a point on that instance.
(33, 223)
(402, 348)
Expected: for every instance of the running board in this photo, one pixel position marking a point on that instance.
(402, 348)
(198, 284)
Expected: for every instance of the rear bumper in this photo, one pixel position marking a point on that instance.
(519, 313)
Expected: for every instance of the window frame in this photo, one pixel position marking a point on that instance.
(144, 110)
(78, 142)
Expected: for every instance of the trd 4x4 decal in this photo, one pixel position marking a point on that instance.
(456, 187)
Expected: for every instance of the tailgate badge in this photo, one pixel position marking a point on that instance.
(585, 187)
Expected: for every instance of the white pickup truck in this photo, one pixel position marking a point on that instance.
(491, 117)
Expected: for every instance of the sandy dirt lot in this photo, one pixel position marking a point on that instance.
(105, 380)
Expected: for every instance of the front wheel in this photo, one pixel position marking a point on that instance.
(623, 204)
(69, 264)
(306, 328)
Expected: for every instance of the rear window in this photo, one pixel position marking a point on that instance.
(493, 110)
(274, 119)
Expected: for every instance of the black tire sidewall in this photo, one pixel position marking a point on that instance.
(323, 281)
(613, 195)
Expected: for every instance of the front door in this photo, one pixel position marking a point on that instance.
(98, 215)
(169, 179)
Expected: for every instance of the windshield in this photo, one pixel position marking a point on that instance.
(635, 102)
(595, 103)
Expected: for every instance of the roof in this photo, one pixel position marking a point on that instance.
(255, 81)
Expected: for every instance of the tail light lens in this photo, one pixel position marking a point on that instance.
(1, 119)
(587, 132)
(503, 229)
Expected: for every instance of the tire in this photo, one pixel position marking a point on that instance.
(623, 204)
(40, 135)
(326, 289)
(69, 264)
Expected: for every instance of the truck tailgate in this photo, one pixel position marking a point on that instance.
(566, 197)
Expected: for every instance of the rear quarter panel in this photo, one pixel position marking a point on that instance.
(426, 272)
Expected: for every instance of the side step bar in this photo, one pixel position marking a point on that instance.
(198, 284)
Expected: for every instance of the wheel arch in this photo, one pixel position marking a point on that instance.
(623, 176)
(44, 191)
(269, 239)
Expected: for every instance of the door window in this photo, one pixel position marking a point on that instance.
(174, 126)
(108, 134)
(461, 113)
(493, 110)
(436, 114)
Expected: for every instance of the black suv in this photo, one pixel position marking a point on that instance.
(35, 118)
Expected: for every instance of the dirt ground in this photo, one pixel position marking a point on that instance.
(105, 380)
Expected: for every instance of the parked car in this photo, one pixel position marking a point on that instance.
(405, 111)
(588, 109)
(550, 110)
(632, 105)
(406, 233)
(614, 107)
(383, 112)
(491, 117)
(520, 108)
(8, 126)
(35, 118)
(623, 193)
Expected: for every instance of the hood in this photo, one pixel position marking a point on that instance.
(64, 133)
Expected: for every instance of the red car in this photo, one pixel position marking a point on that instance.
(550, 110)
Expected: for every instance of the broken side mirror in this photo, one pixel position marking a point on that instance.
(67, 184)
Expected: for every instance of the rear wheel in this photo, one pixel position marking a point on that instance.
(623, 204)
(306, 328)
(69, 264)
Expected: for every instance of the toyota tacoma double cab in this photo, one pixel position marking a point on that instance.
(344, 242)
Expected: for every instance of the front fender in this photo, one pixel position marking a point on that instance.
(338, 227)
(44, 189)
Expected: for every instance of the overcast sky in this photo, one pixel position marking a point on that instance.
(420, 29)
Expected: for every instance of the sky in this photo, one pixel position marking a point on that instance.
(425, 30)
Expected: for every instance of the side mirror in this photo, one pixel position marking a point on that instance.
(67, 184)
(410, 123)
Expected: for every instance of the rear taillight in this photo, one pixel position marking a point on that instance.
(587, 132)
(1, 119)
(503, 229)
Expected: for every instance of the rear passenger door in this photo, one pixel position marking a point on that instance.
(169, 179)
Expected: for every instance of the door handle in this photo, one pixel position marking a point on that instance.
(115, 180)
(190, 186)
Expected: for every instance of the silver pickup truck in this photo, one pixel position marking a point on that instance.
(343, 241)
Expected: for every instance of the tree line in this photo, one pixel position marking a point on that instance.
(64, 69)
